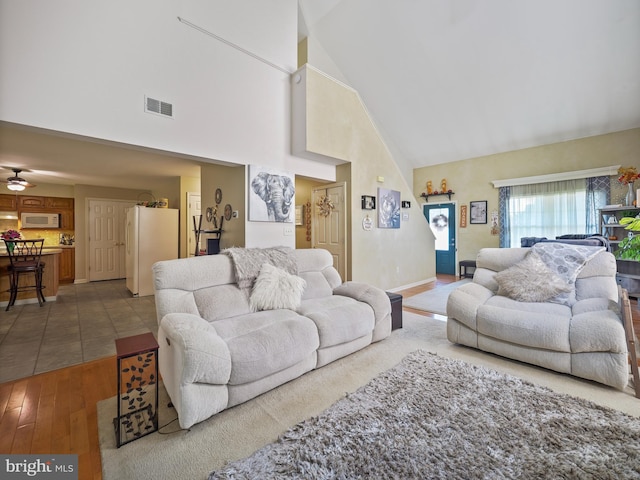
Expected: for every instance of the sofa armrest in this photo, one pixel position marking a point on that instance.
(376, 298)
(464, 301)
(205, 357)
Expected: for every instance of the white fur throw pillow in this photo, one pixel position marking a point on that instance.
(274, 288)
(530, 281)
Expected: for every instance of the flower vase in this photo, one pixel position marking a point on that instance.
(10, 246)
(631, 195)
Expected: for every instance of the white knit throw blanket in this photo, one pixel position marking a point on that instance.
(248, 262)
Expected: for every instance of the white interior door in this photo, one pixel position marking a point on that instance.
(106, 239)
(330, 231)
(194, 208)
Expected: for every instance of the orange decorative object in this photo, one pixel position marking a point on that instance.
(429, 188)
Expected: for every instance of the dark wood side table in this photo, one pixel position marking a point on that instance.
(464, 266)
(396, 310)
(137, 387)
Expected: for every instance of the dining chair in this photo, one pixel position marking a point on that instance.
(25, 259)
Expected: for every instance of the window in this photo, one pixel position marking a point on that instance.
(551, 209)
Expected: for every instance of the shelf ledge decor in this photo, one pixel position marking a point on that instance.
(436, 193)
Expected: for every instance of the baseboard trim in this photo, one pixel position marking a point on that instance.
(411, 285)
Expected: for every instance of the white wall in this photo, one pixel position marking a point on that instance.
(84, 68)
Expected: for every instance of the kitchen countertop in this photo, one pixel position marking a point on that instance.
(49, 247)
(45, 251)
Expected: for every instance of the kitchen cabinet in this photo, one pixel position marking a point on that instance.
(8, 203)
(60, 205)
(32, 203)
(67, 265)
(59, 202)
(66, 219)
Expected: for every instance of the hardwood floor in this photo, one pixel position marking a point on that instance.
(55, 412)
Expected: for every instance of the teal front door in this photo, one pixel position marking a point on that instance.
(442, 221)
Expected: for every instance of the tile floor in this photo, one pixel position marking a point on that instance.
(80, 326)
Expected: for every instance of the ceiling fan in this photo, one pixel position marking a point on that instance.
(17, 183)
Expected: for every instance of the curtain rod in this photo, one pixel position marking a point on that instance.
(233, 45)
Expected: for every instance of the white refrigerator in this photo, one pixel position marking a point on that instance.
(151, 236)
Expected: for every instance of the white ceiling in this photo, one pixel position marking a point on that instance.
(444, 80)
(55, 158)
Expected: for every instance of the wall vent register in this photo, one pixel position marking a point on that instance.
(151, 105)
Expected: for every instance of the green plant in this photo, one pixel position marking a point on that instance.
(629, 247)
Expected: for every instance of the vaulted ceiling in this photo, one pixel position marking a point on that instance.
(446, 80)
(443, 80)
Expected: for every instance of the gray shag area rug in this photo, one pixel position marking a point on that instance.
(432, 417)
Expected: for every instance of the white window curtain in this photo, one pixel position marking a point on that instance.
(547, 210)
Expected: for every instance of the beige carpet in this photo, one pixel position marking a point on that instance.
(238, 432)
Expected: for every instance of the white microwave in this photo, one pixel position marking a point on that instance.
(40, 220)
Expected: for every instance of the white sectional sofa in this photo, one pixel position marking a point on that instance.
(578, 331)
(217, 351)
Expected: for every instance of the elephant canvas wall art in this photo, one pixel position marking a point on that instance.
(271, 197)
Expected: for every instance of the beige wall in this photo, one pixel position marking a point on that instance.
(338, 126)
(231, 180)
(471, 179)
(187, 185)
(304, 187)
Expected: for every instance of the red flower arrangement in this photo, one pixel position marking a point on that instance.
(628, 175)
(10, 235)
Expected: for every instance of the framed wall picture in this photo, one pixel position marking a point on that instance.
(478, 212)
(368, 202)
(271, 195)
(388, 208)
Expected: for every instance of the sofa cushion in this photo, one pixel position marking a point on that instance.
(247, 262)
(338, 319)
(545, 308)
(530, 280)
(317, 285)
(597, 331)
(315, 266)
(263, 343)
(274, 288)
(595, 304)
(543, 330)
(221, 301)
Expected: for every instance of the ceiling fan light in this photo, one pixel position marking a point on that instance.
(16, 187)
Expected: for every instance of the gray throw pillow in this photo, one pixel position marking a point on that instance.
(530, 280)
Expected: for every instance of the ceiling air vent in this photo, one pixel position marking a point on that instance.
(151, 105)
